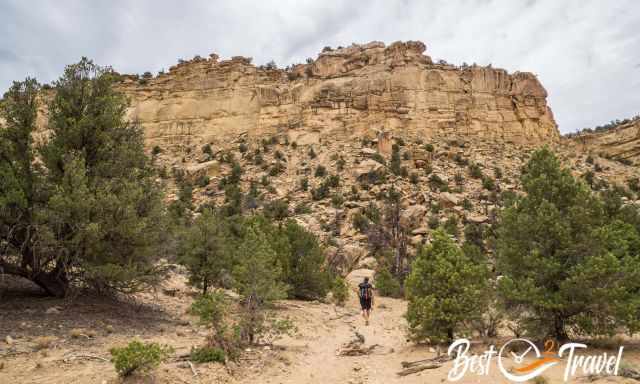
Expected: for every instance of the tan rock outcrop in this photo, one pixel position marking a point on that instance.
(621, 142)
(363, 90)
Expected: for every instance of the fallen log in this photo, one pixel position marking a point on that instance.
(418, 368)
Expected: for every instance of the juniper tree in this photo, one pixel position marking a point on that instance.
(99, 212)
(569, 261)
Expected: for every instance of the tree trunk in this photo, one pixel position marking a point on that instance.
(558, 329)
(54, 283)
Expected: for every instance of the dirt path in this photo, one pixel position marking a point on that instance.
(309, 356)
(314, 358)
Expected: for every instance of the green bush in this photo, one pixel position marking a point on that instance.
(207, 355)
(277, 209)
(379, 158)
(304, 184)
(488, 183)
(210, 308)
(428, 147)
(277, 169)
(387, 285)
(206, 149)
(138, 356)
(445, 290)
(360, 222)
(339, 291)
(475, 171)
(321, 171)
(202, 181)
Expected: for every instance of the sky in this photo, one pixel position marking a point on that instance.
(585, 53)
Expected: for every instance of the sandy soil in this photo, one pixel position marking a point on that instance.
(67, 341)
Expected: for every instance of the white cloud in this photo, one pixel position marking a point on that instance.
(586, 53)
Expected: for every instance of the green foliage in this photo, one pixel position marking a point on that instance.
(396, 162)
(414, 178)
(156, 150)
(138, 356)
(210, 308)
(435, 182)
(429, 147)
(339, 291)
(634, 184)
(277, 209)
(202, 181)
(337, 200)
(304, 273)
(474, 234)
(475, 171)
(451, 225)
(302, 208)
(98, 210)
(360, 222)
(433, 222)
(277, 169)
(321, 171)
(207, 355)
(570, 259)
(379, 158)
(206, 149)
(304, 184)
(488, 183)
(205, 250)
(387, 284)
(445, 290)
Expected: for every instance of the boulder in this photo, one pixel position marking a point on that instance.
(477, 218)
(365, 167)
(412, 216)
(448, 199)
(368, 263)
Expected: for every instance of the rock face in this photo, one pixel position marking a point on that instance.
(369, 90)
(619, 143)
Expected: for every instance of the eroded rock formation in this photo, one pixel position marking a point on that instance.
(619, 143)
(361, 90)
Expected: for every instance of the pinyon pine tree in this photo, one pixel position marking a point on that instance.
(567, 264)
(446, 291)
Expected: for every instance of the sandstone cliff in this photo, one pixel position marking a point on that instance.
(619, 143)
(361, 90)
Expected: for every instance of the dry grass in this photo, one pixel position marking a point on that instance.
(539, 380)
(44, 342)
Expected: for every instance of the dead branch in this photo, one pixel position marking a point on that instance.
(418, 368)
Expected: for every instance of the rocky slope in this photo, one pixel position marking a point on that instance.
(621, 142)
(361, 90)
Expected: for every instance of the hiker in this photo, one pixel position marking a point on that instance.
(365, 293)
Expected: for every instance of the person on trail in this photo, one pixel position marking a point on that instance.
(365, 293)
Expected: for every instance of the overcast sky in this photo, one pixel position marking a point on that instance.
(586, 53)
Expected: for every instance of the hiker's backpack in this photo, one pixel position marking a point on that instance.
(365, 291)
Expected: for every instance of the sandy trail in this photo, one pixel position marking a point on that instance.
(309, 356)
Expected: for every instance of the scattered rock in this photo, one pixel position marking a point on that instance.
(53, 310)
